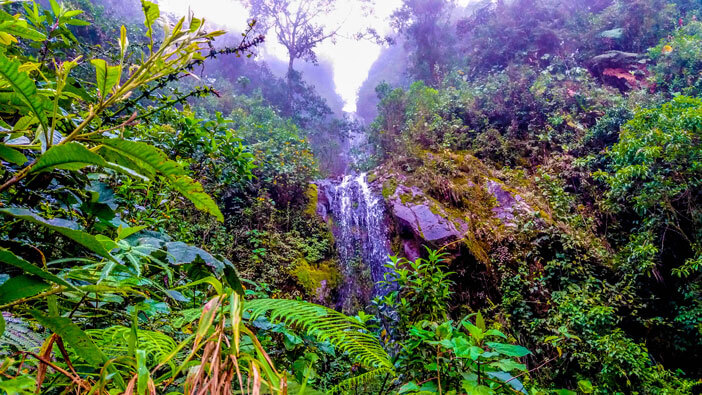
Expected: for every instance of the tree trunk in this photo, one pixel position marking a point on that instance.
(291, 60)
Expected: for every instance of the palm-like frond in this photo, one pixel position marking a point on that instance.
(345, 333)
(361, 379)
(114, 341)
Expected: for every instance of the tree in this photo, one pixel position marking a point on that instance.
(297, 25)
(426, 26)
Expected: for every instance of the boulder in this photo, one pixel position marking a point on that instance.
(430, 225)
(508, 205)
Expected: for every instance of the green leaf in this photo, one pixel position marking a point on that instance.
(20, 28)
(151, 13)
(585, 386)
(12, 155)
(232, 277)
(509, 350)
(20, 287)
(149, 160)
(479, 321)
(71, 156)
(25, 89)
(143, 376)
(6, 256)
(67, 228)
(2, 324)
(24, 384)
(55, 8)
(476, 389)
(345, 333)
(509, 380)
(508, 365)
(409, 387)
(123, 233)
(72, 13)
(474, 331)
(77, 22)
(194, 192)
(123, 41)
(495, 332)
(143, 158)
(106, 76)
(180, 253)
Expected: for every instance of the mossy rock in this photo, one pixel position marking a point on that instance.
(372, 176)
(312, 194)
(389, 188)
(313, 277)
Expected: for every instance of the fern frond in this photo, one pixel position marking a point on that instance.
(18, 334)
(325, 324)
(114, 341)
(361, 379)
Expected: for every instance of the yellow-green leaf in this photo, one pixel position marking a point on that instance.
(106, 76)
(12, 155)
(151, 13)
(194, 192)
(24, 88)
(71, 156)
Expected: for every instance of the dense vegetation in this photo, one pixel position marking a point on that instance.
(159, 233)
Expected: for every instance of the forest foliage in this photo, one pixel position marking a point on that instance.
(159, 231)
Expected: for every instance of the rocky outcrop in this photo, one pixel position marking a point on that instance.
(507, 204)
(426, 222)
(622, 70)
(481, 205)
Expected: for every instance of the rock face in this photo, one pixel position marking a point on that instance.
(622, 70)
(430, 224)
(508, 205)
(487, 208)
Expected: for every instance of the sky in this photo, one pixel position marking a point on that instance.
(351, 59)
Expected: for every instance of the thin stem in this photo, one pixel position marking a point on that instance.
(53, 291)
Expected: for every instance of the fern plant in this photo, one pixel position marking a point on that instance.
(114, 341)
(361, 380)
(344, 332)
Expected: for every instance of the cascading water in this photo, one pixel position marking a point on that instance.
(360, 231)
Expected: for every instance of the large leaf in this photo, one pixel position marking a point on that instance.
(151, 13)
(106, 76)
(20, 287)
(194, 192)
(509, 350)
(179, 253)
(6, 256)
(149, 160)
(71, 156)
(144, 158)
(509, 379)
(67, 228)
(143, 375)
(12, 155)
(25, 88)
(20, 28)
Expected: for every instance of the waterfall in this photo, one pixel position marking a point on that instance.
(360, 231)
